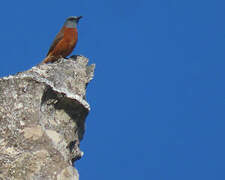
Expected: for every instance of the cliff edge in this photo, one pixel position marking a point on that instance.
(42, 120)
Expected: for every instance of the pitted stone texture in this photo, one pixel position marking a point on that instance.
(42, 120)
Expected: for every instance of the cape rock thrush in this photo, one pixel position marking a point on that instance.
(65, 40)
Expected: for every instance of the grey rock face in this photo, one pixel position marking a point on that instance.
(42, 118)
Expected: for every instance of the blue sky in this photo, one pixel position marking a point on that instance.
(158, 96)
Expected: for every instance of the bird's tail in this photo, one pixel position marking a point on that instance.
(48, 59)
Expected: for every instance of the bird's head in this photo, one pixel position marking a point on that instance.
(72, 21)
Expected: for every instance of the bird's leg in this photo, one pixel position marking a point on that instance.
(60, 58)
(74, 57)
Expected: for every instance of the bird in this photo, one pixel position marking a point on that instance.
(65, 41)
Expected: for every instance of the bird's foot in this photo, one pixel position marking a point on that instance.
(74, 57)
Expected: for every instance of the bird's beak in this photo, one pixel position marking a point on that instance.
(78, 18)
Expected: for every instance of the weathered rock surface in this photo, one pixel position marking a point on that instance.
(42, 116)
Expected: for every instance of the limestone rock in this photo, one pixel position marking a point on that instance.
(42, 120)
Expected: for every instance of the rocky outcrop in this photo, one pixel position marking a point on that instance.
(42, 120)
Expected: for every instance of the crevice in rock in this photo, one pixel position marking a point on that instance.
(72, 107)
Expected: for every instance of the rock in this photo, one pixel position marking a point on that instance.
(42, 120)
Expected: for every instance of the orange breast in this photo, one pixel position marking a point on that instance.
(66, 45)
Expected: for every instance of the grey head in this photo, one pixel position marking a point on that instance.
(72, 21)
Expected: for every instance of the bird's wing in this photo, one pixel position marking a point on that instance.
(58, 37)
